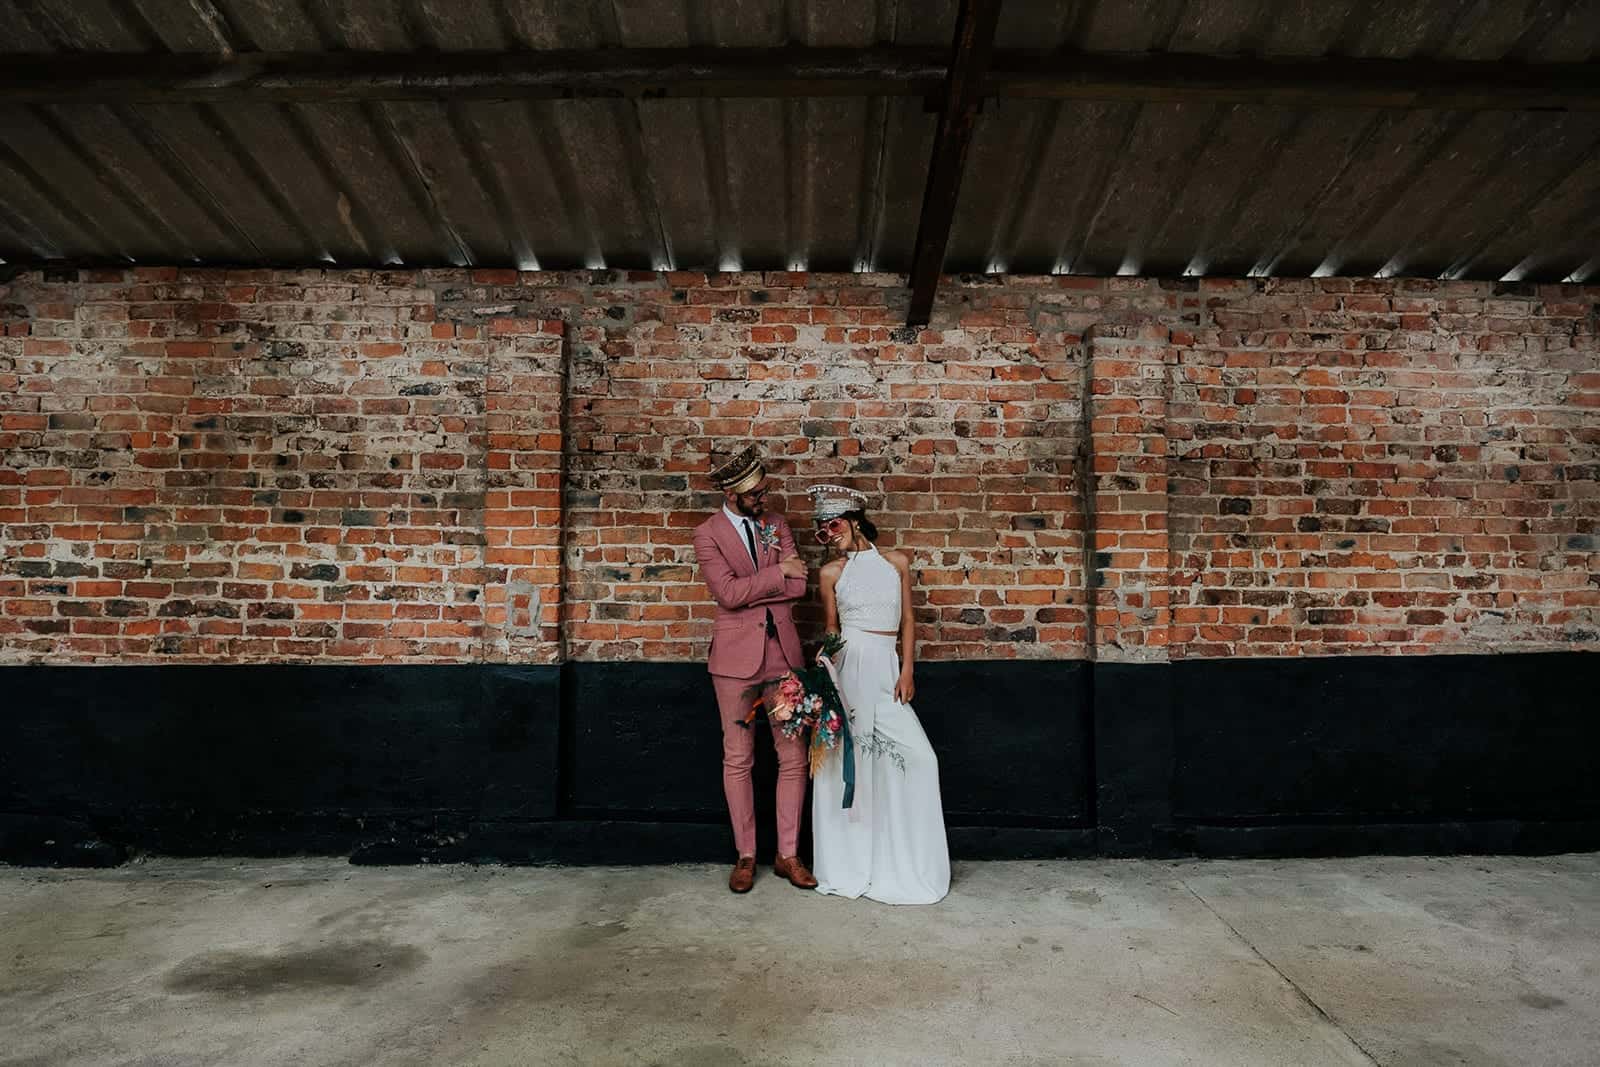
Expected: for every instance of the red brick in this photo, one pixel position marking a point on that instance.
(1225, 463)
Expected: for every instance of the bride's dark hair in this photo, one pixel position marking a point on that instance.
(859, 517)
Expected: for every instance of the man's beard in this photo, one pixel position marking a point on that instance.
(753, 511)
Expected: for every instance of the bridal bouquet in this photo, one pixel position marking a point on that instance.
(805, 699)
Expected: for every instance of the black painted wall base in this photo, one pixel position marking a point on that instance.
(619, 762)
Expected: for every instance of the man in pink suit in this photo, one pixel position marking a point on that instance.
(749, 562)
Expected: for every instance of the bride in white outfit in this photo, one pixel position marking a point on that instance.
(889, 845)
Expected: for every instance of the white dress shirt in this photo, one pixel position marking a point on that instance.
(739, 522)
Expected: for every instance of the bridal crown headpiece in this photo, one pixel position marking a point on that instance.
(831, 501)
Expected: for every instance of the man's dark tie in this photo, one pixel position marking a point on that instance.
(750, 539)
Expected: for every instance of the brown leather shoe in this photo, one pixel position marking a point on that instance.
(791, 868)
(744, 875)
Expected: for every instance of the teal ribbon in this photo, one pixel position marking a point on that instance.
(849, 763)
(845, 743)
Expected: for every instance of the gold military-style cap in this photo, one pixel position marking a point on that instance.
(740, 474)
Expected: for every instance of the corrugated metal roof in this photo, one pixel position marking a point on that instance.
(823, 183)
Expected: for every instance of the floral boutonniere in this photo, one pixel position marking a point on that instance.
(769, 534)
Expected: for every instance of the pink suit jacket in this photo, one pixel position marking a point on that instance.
(744, 592)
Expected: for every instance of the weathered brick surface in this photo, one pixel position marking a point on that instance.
(1398, 466)
(522, 502)
(1128, 372)
(250, 466)
(964, 438)
(465, 465)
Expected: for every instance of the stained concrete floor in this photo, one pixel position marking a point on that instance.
(1394, 961)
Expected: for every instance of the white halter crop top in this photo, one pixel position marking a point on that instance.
(868, 592)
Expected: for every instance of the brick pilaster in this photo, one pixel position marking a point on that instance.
(1125, 409)
(522, 512)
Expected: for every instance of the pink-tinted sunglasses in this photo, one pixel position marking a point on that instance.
(827, 531)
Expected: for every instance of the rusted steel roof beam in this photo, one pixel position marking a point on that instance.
(659, 73)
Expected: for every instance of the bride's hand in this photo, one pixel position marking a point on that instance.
(904, 689)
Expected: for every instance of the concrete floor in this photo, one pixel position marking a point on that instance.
(1394, 961)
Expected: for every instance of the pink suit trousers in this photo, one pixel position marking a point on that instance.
(739, 755)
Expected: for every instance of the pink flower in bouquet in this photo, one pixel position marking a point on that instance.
(787, 699)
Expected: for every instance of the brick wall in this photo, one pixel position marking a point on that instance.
(456, 466)
(966, 440)
(230, 467)
(1408, 467)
